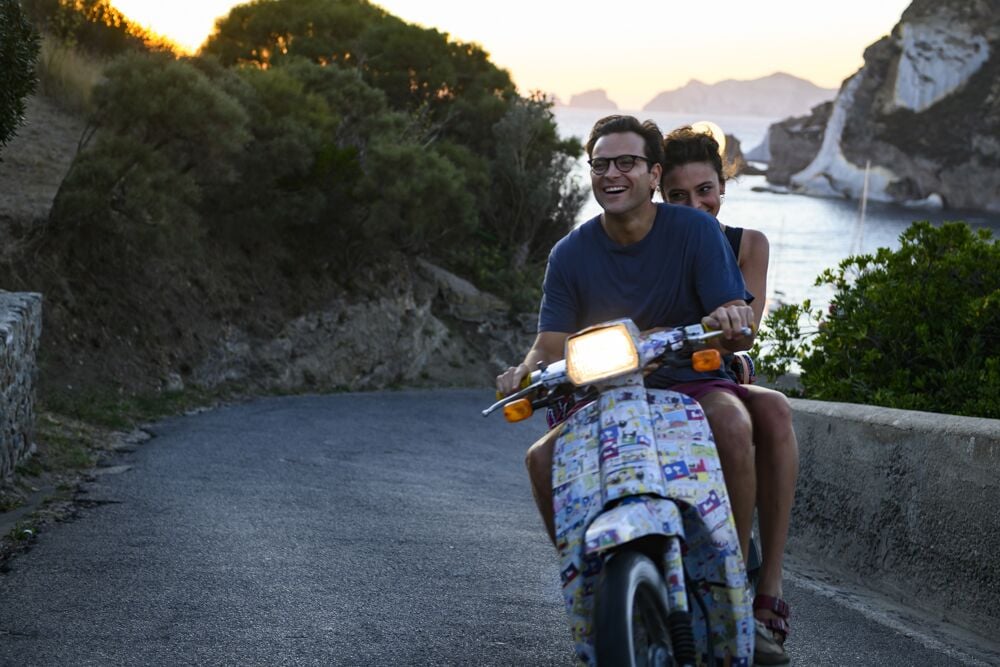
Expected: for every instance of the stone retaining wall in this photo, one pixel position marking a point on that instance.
(905, 502)
(20, 329)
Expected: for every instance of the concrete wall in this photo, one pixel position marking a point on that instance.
(20, 328)
(905, 502)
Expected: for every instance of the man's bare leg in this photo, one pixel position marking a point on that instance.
(538, 460)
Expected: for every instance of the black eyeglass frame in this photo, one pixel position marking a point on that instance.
(614, 160)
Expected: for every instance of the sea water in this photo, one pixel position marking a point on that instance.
(806, 234)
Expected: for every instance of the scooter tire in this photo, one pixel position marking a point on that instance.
(632, 623)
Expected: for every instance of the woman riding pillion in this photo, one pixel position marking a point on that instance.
(694, 175)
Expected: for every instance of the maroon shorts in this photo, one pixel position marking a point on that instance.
(699, 388)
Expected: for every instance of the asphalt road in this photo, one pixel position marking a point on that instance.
(392, 528)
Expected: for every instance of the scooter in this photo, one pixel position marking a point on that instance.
(651, 567)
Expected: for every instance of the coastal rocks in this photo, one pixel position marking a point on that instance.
(425, 326)
(792, 144)
(919, 122)
(737, 162)
(593, 99)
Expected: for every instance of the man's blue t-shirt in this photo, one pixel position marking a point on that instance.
(679, 272)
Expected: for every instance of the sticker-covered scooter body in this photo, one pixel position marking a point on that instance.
(639, 496)
(636, 463)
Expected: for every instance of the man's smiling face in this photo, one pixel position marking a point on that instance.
(620, 193)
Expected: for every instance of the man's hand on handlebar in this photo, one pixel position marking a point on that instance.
(510, 380)
(730, 318)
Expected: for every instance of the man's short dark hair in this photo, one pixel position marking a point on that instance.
(617, 124)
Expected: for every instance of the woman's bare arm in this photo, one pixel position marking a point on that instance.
(753, 261)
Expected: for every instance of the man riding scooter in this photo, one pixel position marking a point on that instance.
(661, 266)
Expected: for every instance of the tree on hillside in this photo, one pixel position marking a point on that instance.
(94, 26)
(292, 169)
(160, 132)
(533, 202)
(19, 46)
(452, 86)
(295, 139)
(493, 158)
(265, 32)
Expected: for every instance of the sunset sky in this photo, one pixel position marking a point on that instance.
(633, 50)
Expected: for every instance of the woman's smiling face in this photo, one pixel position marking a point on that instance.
(695, 184)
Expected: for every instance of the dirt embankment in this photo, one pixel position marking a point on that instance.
(35, 161)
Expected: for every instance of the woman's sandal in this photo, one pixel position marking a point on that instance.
(771, 632)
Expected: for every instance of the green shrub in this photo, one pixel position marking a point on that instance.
(19, 45)
(916, 328)
(159, 131)
(302, 132)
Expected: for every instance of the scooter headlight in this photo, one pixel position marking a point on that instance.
(599, 354)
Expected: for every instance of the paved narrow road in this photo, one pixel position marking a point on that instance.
(390, 528)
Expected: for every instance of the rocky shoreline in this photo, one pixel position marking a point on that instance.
(917, 125)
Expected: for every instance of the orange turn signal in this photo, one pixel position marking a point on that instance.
(517, 411)
(706, 360)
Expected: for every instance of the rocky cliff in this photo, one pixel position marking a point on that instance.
(796, 143)
(923, 114)
(420, 325)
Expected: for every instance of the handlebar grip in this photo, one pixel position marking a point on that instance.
(525, 383)
(746, 331)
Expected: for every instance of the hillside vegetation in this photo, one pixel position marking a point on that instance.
(310, 148)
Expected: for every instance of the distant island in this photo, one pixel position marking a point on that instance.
(779, 95)
(592, 99)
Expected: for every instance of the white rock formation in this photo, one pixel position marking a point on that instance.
(830, 174)
(936, 60)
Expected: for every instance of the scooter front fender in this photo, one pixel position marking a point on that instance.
(632, 520)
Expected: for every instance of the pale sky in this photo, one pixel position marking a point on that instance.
(632, 49)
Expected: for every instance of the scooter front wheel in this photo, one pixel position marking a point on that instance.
(632, 625)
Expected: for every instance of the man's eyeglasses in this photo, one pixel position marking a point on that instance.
(623, 163)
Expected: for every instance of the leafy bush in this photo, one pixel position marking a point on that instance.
(19, 46)
(916, 328)
(324, 133)
(160, 130)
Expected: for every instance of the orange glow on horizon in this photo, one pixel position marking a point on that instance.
(632, 54)
(185, 23)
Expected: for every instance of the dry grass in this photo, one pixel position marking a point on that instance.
(66, 75)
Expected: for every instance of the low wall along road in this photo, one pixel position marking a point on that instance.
(20, 329)
(905, 502)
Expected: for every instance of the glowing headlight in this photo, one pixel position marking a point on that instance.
(600, 354)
